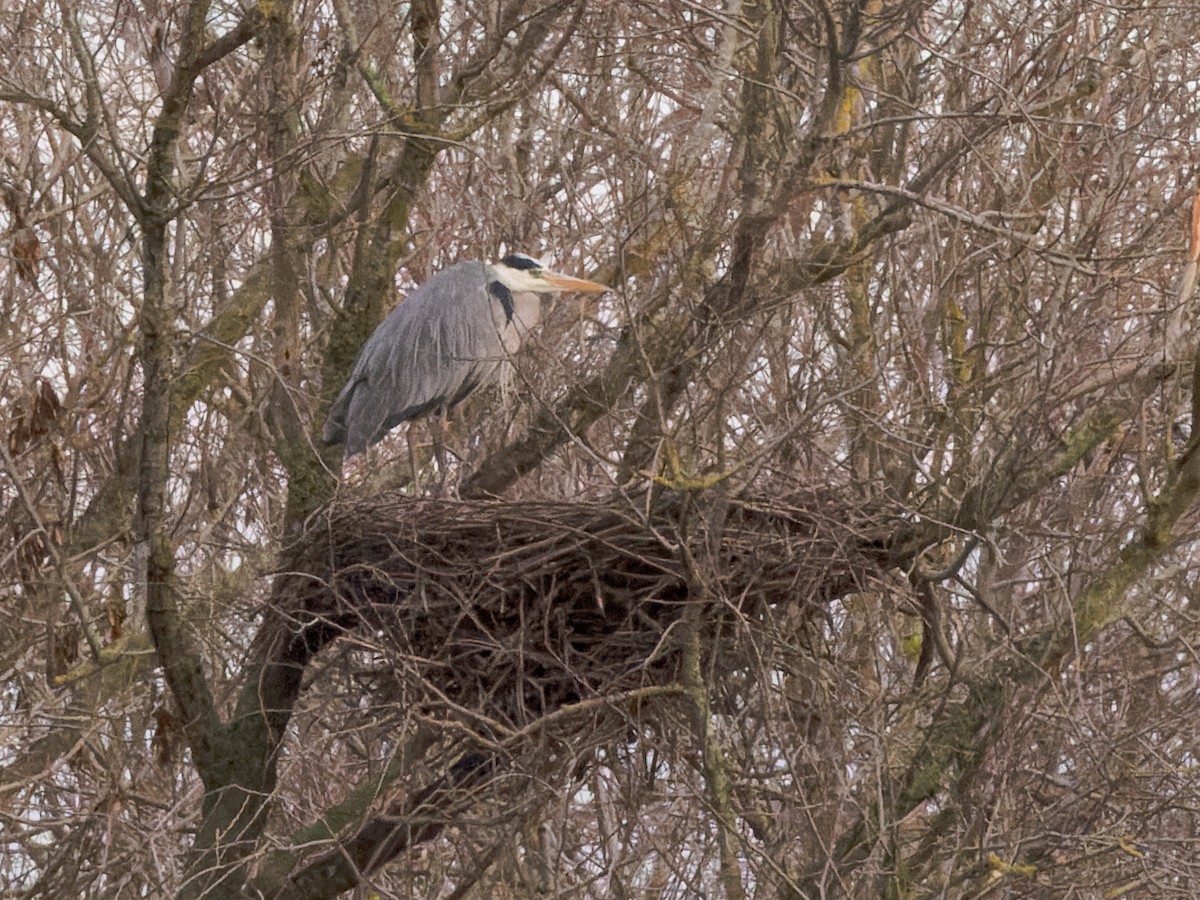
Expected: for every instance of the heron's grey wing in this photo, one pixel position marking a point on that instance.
(428, 353)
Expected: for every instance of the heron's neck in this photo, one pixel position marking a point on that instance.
(527, 310)
(514, 312)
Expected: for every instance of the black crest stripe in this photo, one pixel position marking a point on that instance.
(520, 261)
(504, 295)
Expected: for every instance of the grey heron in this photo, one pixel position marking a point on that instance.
(451, 336)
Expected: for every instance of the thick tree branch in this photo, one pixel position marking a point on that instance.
(423, 816)
(172, 639)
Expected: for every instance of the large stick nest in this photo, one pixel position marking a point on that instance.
(513, 609)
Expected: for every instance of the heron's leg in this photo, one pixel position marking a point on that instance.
(437, 429)
(413, 471)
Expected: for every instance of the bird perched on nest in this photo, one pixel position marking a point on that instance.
(451, 336)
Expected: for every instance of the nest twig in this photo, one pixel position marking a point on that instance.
(512, 610)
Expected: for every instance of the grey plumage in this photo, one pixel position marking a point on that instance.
(449, 337)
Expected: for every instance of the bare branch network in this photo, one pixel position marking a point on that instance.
(845, 548)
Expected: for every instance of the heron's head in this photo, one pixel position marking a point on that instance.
(519, 272)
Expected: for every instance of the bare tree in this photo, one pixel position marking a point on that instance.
(844, 550)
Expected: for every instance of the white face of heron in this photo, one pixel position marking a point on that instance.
(521, 273)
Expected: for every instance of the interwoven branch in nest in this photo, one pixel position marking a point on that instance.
(513, 609)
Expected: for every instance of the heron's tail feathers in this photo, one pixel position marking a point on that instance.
(334, 431)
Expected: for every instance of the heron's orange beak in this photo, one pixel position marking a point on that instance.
(567, 283)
